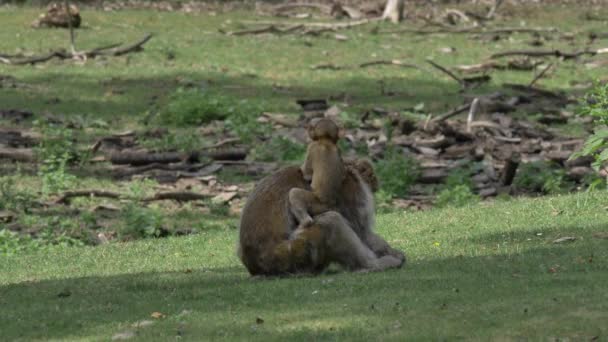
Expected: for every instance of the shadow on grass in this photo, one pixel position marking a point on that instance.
(129, 97)
(557, 287)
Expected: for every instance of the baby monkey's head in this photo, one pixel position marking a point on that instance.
(323, 128)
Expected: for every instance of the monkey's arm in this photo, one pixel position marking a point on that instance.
(307, 169)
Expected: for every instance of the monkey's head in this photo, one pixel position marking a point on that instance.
(323, 128)
(365, 169)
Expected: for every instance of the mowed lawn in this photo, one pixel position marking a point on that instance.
(488, 272)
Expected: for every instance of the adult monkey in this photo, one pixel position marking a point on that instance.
(270, 243)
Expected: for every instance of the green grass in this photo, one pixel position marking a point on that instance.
(487, 272)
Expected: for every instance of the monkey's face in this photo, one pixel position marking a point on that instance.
(323, 128)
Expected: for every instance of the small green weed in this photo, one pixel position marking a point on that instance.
(457, 189)
(457, 196)
(54, 175)
(396, 172)
(55, 141)
(461, 176)
(48, 237)
(12, 198)
(55, 150)
(14, 243)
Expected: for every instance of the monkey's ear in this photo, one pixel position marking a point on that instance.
(341, 132)
(312, 123)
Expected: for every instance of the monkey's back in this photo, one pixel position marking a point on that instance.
(328, 171)
(266, 220)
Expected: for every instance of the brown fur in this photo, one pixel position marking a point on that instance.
(270, 243)
(324, 165)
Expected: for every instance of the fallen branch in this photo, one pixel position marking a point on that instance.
(304, 28)
(268, 29)
(448, 72)
(545, 53)
(540, 75)
(67, 196)
(477, 30)
(180, 196)
(388, 62)
(221, 143)
(451, 113)
(145, 158)
(199, 169)
(536, 91)
(328, 66)
(111, 50)
(117, 51)
(18, 154)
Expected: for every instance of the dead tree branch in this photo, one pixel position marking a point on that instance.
(111, 50)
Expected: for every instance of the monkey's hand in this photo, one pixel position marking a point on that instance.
(306, 175)
(306, 222)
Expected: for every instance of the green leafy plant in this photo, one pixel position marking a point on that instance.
(396, 172)
(194, 106)
(595, 104)
(542, 177)
(243, 122)
(278, 148)
(55, 141)
(457, 196)
(139, 222)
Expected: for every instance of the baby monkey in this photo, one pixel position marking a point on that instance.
(324, 166)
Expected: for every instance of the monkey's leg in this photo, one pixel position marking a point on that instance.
(299, 204)
(345, 247)
(381, 247)
(303, 252)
